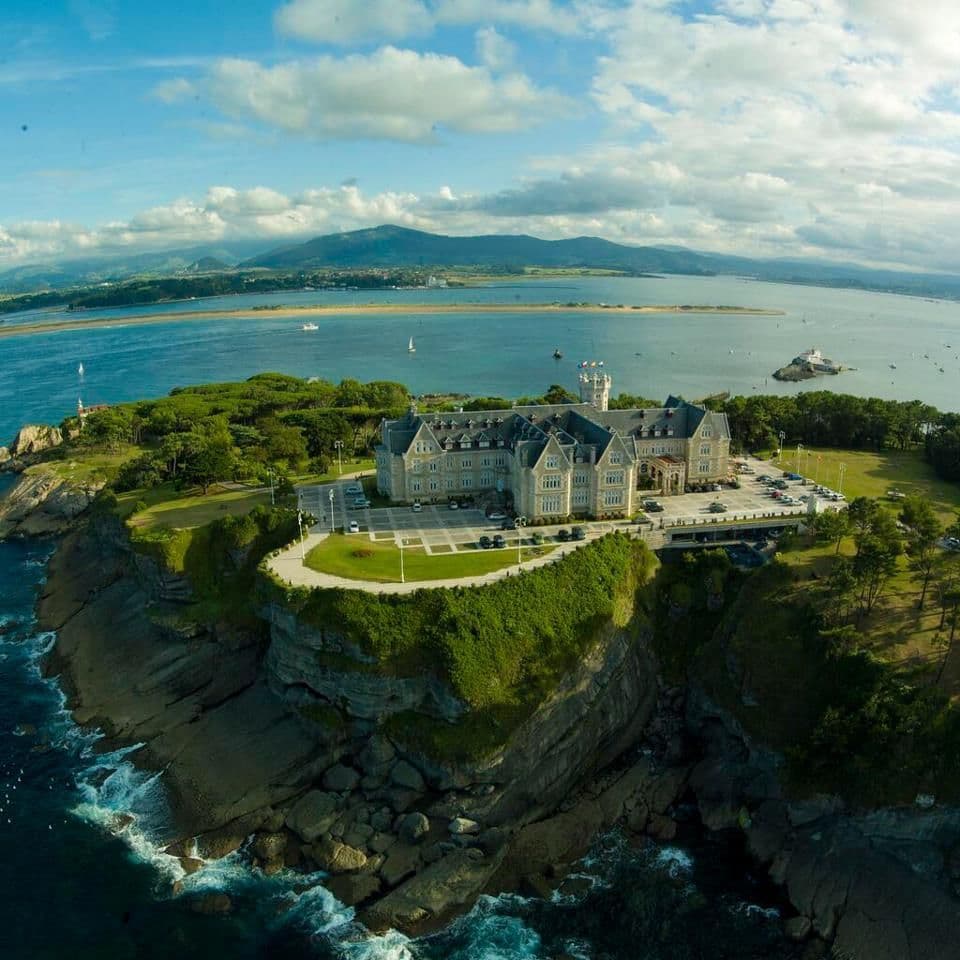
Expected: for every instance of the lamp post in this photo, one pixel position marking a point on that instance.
(519, 542)
(339, 445)
(781, 436)
(300, 528)
(331, 509)
(273, 500)
(402, 578)
(799, 451)
(841, 470)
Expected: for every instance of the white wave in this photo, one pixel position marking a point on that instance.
(391, 945)
(677, 862)
(755, 910)
(487, 932)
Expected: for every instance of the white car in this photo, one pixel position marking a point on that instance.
(353, 527)
(416, 507)
(354, 488)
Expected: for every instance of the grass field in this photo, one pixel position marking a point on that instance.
(183, 510)
(350, 466)
(897, 629)
(873, 474)
(357, 558)
(88, 466)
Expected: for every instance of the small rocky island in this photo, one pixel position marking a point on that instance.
(809, 364)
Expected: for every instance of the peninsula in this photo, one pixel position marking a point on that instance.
(421, 748)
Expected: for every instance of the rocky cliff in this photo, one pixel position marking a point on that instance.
(44, 502)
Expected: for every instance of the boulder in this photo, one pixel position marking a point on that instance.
(666, 788)
(313, 815)
(381, 842)
(340, 778)
(461, 825)
(376, 756)
(381, 820)
(804, 812)
(190, 865)
(401, 800)
(414, 827)
(402, 861)
(661, 827)
(798, 928)
(637, 818)
(5, 455)
(270, 846)
(353, 888)
(212, 903)
(336, 857)
(35, 438)
(407, 776)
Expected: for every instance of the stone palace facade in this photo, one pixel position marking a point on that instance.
(558, 460)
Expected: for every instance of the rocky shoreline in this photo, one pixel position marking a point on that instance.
(411, 843)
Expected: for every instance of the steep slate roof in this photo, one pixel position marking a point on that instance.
(578, 427)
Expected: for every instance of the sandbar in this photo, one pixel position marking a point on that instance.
(316, 310)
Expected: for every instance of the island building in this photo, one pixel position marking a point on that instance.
(556, 460)
(814, 360)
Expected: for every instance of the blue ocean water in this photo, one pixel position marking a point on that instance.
(77, 881)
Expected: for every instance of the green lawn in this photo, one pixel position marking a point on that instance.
(351, 465)
(357, 558)
(873, 474)
(180, 510)
(83, 466)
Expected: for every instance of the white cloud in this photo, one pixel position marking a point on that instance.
(541, 15)
(389, 94)
(347, 21)
(173, 90)
(494, 50)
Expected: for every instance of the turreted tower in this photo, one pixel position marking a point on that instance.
(595, 386)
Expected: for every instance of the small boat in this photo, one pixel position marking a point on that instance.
(893, 366)
(309, 326)
(557, 355)
(411, 347)
(80, 369)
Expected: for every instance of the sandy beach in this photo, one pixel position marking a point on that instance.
(391, 308)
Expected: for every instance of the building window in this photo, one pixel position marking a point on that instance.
(466, 463)
(484, 461)
(704, 449)
(433, 466)
(466, 482)
(612, 498)
(552, 461)
(616, 457)
(580, 498)
(486, 479)
(449, 483)
(484, 444)
(550, 505)
(706, 433)
(434, 484)
(415, 466)
(704, 466)
(614, 477)
(551, 483)
(581, 479)
(501, 460)
(465, 444)
(415, 486)
(643, 467)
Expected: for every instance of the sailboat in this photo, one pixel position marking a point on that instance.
(80, 369)
(411, 347)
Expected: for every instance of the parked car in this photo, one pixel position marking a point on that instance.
(508, 524)
(353, 527)
(360, 503)
(716, 488)
(353, 488)
(793, 476)
(537, 537)
(497, 515)
(453, 505)
(498, 541)
(563, 534)
(951, 543)
(416, 508)
(651, 506)
(485, 542)
(578, 533)
(717, 507)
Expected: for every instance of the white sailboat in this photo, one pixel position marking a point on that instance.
(309, 326)
(411, 347)
(80, 369)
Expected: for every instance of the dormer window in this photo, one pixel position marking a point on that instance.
(669, 431)
(706, 433)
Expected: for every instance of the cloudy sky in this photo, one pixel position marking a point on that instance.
(814, 128)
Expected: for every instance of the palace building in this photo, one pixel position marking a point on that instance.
(557, 460)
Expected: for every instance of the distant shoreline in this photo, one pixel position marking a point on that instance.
(391, 308)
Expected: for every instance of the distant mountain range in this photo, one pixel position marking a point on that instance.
(394, 247)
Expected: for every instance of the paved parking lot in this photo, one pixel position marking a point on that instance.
(440, 530)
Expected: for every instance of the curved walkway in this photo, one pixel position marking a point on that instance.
(289, 567)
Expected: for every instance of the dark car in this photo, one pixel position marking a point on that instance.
(498, 541)
(508, 524)
(578, 533)
(485, 542)
(563, 534)
(651, 506)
